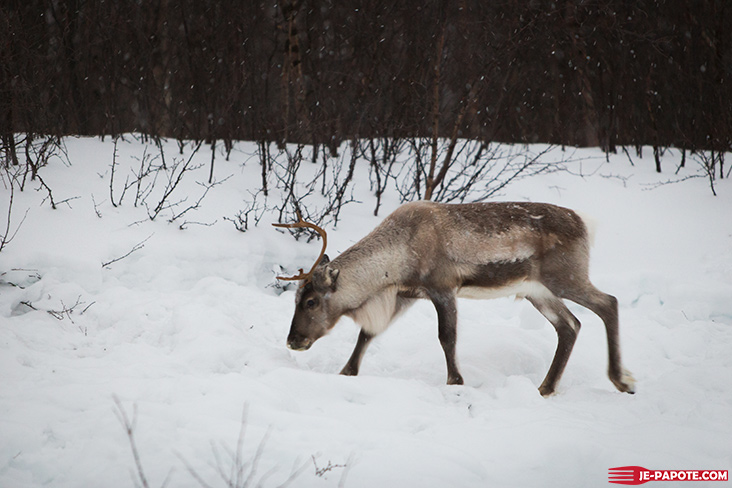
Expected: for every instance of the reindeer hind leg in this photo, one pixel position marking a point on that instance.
(606, 307)
(447, 327)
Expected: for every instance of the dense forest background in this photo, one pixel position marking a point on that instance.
(587, 73)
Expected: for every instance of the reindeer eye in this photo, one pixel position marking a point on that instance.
(311, 303)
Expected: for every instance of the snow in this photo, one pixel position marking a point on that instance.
(188, 332)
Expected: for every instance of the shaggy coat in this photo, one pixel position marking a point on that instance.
(441, 251)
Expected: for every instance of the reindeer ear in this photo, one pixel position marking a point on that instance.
(331, 276)
(324, 260)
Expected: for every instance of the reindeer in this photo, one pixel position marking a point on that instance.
(444, 251)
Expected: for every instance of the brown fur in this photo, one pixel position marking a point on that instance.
(441, 251)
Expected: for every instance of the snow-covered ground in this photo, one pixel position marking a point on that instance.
(187, 333)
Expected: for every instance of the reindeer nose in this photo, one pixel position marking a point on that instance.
(297, 342)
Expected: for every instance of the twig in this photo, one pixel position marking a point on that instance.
(625, 150)
(320, 472)
(346, 470)
(30, 274)
(48, 189)
(129, 427)
(235, 477)
(141, 193)
(111, 179)
(28, 304)
(237, 471)
(7, 237)
(192, 471)
(86, 308)
(66, 201)
(96, 207)
(623, 179)
(653, 186)
(184, 225)
(66, 311)
(136, 247)
(294, 474)
(173, 183)
(242, 218)
(196, 205)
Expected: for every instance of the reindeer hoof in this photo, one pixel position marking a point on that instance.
(626, 382)
(546, 391)
(349, 371)
(455, 380)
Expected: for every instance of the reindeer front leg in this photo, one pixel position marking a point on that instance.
(353, 364)
(447, 330)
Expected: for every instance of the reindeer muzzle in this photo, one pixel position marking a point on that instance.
(297, 342)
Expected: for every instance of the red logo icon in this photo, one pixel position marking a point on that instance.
(637, 475)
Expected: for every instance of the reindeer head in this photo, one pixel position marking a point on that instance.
(313, 315)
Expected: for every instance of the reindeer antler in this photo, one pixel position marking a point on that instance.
(302, 224)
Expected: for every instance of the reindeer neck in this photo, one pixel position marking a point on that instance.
(367, 268)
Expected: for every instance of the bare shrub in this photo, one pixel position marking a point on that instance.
(332, 181)
(477, 170)
(710, 162)
(251, 214)
(235, 467)
(382, 154)
(7, 232)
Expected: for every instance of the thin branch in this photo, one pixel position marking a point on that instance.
(129, 427)
(48, 189)
(653, 186)
(192, 471)
(111, 179)
(135, 248)
(173, 183)
(237, 471)
(96, 207)
(197, 205)
(320, 472)
(7, 237)
(65, 311)
(242, 218)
